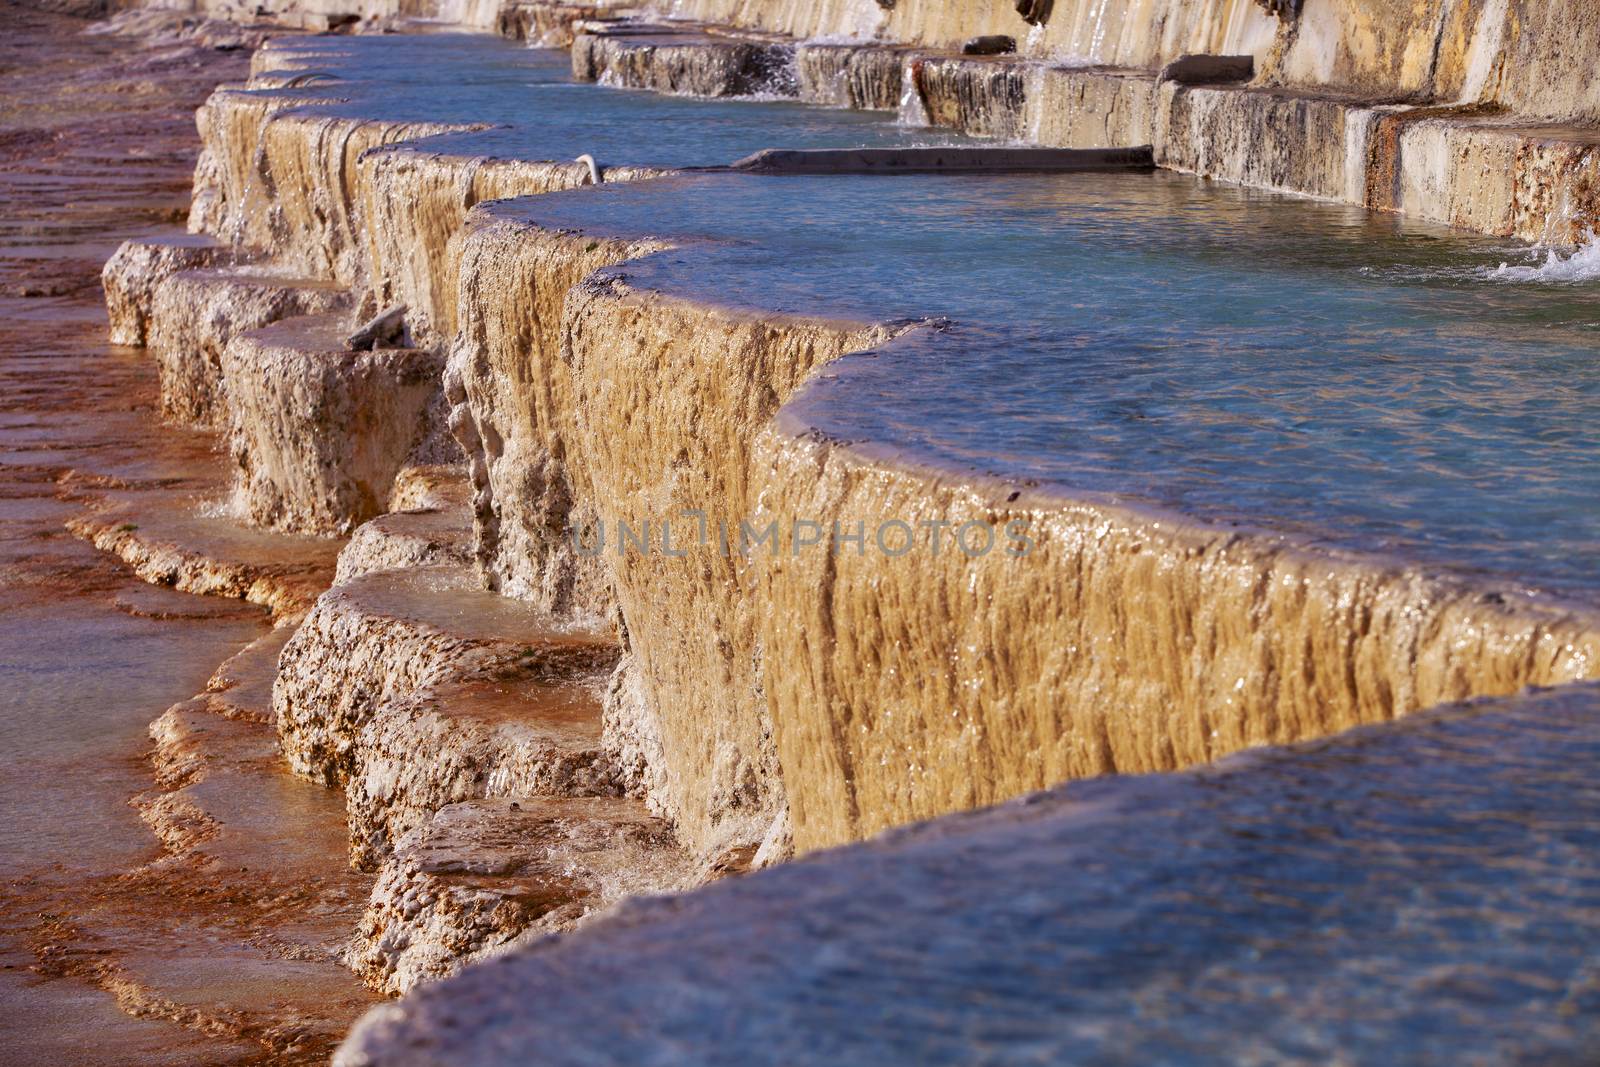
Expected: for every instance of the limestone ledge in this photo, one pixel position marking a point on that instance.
(364, 203)
(197, 313)
(480, 876)
(526, 731)
(319, 433)
(545, 25)
(131, 276)
(383, 636)
(414, 199)
(528, 728)
(280, 175)
(1127, 642)
(1473, 162)
(684, 60)
(431, 531)
(171, 539)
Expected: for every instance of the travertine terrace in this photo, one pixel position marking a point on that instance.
(428, 348)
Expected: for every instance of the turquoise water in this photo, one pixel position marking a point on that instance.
(1241, 357)
(475, 79)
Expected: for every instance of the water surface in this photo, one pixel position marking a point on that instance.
(465, 78)
(1243, 357)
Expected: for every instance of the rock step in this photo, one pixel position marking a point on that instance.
(241, 688)
(224, 800)
(390, 635)
(483, 874)
(186, 962)
(437, 533)
(223, 796)
(684, 59)
(131, 275)
(237, 930)
(432, 485)
(195, 313)
(318, 432)
(532, 727)
(146, 601)
(528, 731)
(168, 540)
(551, 25)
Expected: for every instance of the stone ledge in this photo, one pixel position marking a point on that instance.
(480, 875)
(318, 433)
(977, 160)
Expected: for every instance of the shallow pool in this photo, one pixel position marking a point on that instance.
(469, 78)
(1350, 378)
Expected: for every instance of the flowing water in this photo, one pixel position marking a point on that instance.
(1353, 379)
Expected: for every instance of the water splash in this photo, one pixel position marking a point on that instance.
(1581, 265)
(912, 110)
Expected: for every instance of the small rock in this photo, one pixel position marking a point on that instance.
(1209, 70)
(1034, 12)
(387, 329)
(994, 44)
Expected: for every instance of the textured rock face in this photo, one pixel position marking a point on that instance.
(1124, 644)
(277, 179)
(130, 278)
(841, 75)
(197, 313)
(391, 635)
(478, 876)
(847, 672)
(318, 433)
(689, 712)
(984, 97)
(514, 414)
(673, 59)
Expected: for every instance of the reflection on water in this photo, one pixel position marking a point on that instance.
(82, 680)
(1426, 891)
(461, 78)
(1354, 378)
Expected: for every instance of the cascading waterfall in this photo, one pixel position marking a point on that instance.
(912, 111)
(1580, 264)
